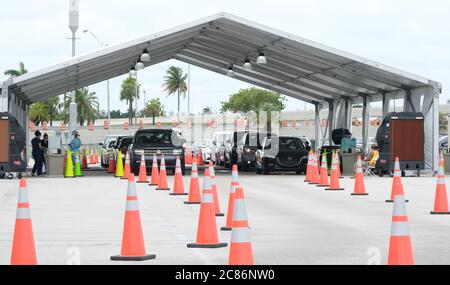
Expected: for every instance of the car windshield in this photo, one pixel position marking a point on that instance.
(157, 137)
(290, 143)
(125, 142)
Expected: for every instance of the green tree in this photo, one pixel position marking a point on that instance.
(128, 93)
(443, 122)
(87, 105)
(175, 83)
(254, 100)
(16, 72)
(38, 113)
(53, 106)
(154, 108)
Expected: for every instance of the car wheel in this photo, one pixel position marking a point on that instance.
(136, 170)
(244, 166)
(265, 169)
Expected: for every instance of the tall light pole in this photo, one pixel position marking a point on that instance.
(189, 90)
(145, 102)
(73, 25)
(103, 44)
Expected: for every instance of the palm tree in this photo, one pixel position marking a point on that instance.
(128, 93)
(87, 105)
(38, 112)
(18, 72)
(53, 106)
(175, 82)
(154, 108)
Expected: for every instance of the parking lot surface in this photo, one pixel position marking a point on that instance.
(81, 220)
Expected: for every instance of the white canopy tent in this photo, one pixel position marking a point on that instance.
(296, 67)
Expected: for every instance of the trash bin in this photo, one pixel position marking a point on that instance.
(348, 163)
(54, 165)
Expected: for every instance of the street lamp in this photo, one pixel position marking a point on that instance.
(103, 44)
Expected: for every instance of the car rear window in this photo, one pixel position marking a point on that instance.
(290, 144)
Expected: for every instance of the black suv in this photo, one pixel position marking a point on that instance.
(157, 141)
(281, 153)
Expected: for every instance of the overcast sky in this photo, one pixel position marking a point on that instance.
(411, 35)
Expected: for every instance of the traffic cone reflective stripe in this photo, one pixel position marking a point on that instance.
(194, 186)
(23, 251)
(163, 185)
(126, 170)
(207, 236)
(69, 166)
(241, 252)
(234, 184)
(142, 170)
(155, 172)
(400, 246)
(214, 189)
(440, 198)
(334, 183)
(359, 188)
(119, 167)
(178, 184)
(133, 245)
(324, 172)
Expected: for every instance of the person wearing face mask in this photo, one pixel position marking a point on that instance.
(37, 154)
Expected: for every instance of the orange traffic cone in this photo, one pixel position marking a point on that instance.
(23, 250)
(309, 167)
(178, 185)
(207, 236)
(440, 198)
(111, 166)
(83, 161)
(241, 252)
(315, 178)
(200, 158)
(163, 185)
(324, 172)
(214, 188)
(400, 247)
(142, 170)
(194, 187)
(155, 173)
(126, 169)
(133, 245)
(396, 181)
(360, 188)
(334, 183)
(233, 186)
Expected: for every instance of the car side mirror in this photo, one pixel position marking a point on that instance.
(100, 144)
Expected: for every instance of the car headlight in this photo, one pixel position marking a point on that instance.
(247, 149)
(177, 151)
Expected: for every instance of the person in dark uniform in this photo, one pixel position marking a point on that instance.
(44, 144)
(37, 154)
